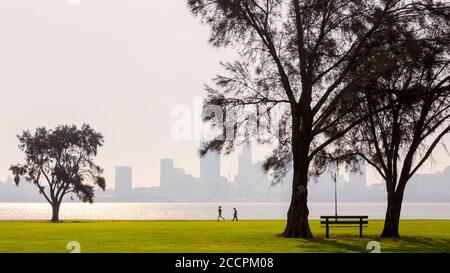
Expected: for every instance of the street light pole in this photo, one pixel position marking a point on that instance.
(335, 190)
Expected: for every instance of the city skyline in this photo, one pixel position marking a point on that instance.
(250, 184)
(132, 95)
(212, 135)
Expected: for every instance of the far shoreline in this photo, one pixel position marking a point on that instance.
(218, 202)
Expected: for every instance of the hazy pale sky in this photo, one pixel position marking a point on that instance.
(120, 65)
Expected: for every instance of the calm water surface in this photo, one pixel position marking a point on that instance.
(203, 211)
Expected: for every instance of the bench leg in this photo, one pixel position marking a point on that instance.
(327, 231)
(360, 231)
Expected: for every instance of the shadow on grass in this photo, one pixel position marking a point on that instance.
(334, 244)
(68, 222)
(347, 243)
(417, 244)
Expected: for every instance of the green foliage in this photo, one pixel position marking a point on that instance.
(60, 162)
(304, 61)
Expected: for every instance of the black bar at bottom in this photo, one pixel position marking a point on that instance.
(251, 263)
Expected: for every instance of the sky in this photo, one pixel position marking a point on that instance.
(124, 67)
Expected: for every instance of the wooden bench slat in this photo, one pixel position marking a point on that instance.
(360, 221)
(340, 226)
(343, 222)
(343, 217)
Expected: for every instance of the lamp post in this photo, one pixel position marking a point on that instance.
(335, 189)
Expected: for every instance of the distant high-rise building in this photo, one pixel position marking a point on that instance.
(175, 182)
(251, 183)
(246, 168)
(210, 165)
(123, 180)
(166, 171)
(245, 159)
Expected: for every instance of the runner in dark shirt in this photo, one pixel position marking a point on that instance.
(219, 210)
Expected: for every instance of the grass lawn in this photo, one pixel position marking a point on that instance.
(212, 236)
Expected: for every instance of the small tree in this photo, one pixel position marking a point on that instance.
(60, 162)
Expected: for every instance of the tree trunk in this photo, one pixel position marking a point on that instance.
(55, 212)
(392, 220)
(297, 225)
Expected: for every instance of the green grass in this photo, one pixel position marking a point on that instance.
(212, 236)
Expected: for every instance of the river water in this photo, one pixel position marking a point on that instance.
(204, 211)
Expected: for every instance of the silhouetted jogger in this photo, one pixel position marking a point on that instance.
(219, 210)
(235, 215)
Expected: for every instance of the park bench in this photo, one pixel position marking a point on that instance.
(344, 221)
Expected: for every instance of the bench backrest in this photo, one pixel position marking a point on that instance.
(344, 217)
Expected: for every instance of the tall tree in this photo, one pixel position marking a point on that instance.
(296, 57)
(60, 162)
(416, 74)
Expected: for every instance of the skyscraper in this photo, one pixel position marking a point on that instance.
(175, 182)
(123, 180)
(210, 166)
(245, 160)
(166, 172)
